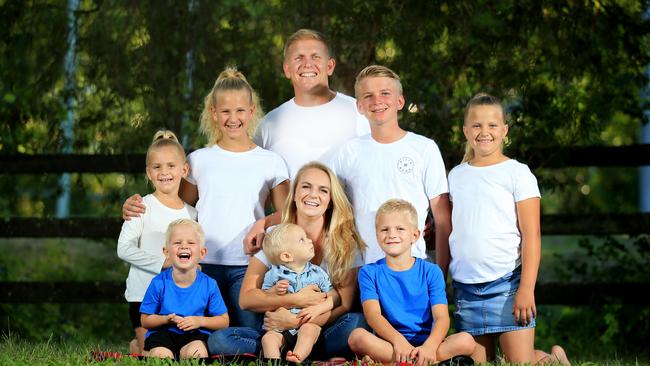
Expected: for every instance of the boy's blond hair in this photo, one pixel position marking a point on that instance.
(304, 33)
(377, 71)
(401, 206)
(275, 242)
(180, 222)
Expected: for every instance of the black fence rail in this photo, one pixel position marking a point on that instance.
(556, 157)
(112, 292)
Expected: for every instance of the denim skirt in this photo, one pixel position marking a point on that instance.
(486, 308)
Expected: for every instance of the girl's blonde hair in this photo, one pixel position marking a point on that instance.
(165, 138)
(341, 241)
(481, 99)
(229, 79)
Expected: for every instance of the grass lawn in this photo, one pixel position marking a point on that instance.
(14, 351)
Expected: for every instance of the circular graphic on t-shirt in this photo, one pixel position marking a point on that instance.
(405, 164)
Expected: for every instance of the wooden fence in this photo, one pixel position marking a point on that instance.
(97, 291)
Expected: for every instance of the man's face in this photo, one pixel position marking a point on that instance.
(308, 65)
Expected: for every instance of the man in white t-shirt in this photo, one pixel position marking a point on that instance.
(392, 163)
(317, 120)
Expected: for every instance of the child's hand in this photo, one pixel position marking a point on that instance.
(402, 350)
(172, 318)
(189, 323)
(524, 308)
(423, 355)
(281, 287)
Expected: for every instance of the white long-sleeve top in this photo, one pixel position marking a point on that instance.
(141, 244)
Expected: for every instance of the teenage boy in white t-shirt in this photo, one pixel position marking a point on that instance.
(317, 119)
(392, 163)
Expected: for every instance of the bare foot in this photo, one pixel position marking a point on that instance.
(293, 357)
(560, 355)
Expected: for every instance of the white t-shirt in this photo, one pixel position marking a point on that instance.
(233, 188)
(485, 242)
(372, 173)
(302, 134)
(141, 242)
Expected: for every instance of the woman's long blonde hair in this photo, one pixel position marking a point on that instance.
(230, 79)
(341, 240)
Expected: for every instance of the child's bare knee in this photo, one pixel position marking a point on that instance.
(161, 352)
(194, 349)
(357, 338)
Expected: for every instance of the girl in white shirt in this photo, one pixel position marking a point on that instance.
(495, 241)
(229, 183)
(142, 239)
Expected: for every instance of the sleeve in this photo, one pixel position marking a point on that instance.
(358, 259)
(436, 283)
(261, 256)
(191, 161)
(336, 161)
(324, 282)
(367, 284)
(270, 278)
(129, 251)
(525, 184)
(152, 300)
(281, 171)
(435, 176)
(216, 306)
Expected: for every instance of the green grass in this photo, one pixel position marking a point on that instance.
(16, 351)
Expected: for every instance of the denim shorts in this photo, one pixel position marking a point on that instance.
(486, 308)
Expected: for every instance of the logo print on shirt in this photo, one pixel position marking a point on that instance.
(405, 164)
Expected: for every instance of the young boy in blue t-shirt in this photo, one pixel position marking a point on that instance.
(404, 298)
(182, 305)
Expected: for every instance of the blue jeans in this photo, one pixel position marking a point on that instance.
(333, 341)
(229, 279)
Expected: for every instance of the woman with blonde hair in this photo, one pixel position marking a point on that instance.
(317, 203)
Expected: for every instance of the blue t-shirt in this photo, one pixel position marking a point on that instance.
(163, 297)
(405, 297)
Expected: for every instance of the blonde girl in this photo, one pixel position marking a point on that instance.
(229, 183)
(495, 242)
(318, 204)
(142, 239)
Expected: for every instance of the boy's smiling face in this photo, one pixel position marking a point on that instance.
(308, 64)
(395, 234)
(184, 249)
(379, 100)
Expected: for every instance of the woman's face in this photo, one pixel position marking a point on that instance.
(313, 193)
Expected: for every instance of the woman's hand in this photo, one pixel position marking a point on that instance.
(280, 320)
(308, 296)
(133, 207)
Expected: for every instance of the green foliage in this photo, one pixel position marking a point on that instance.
(619, 327)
